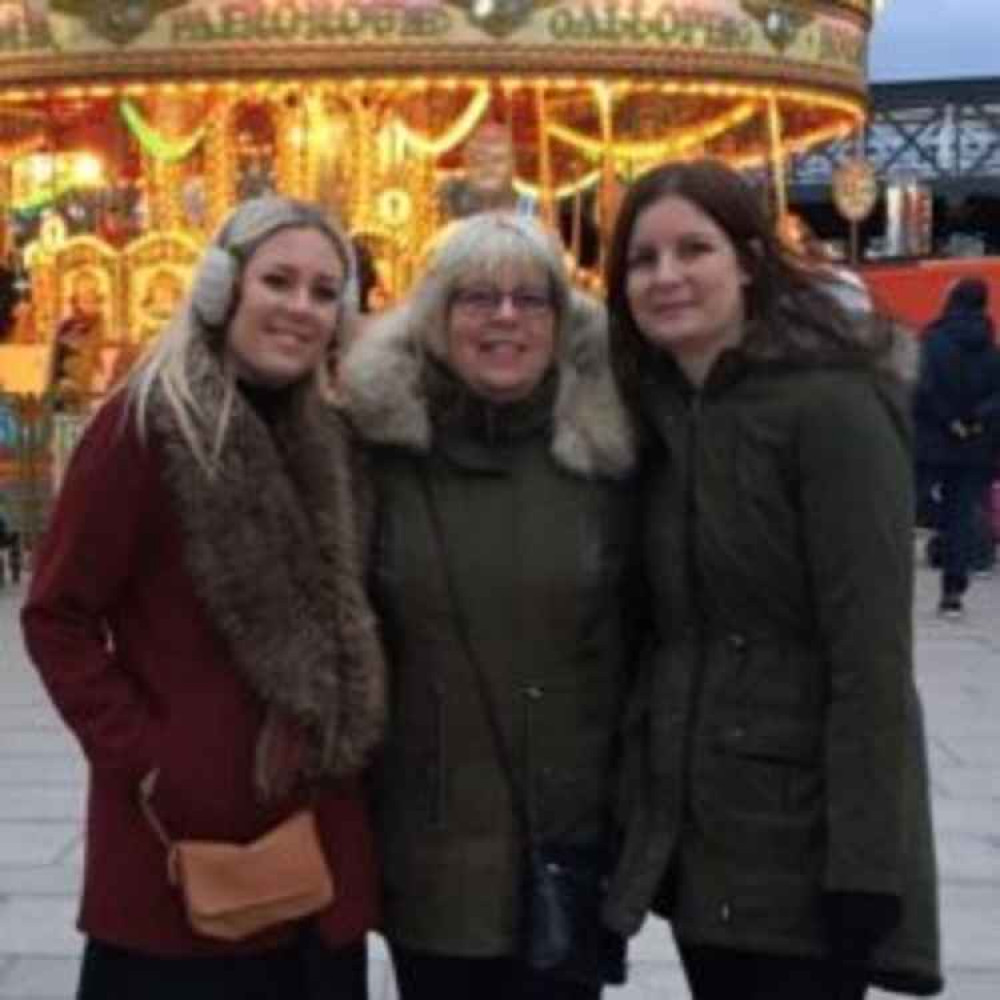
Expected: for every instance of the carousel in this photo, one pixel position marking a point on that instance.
(128, 130)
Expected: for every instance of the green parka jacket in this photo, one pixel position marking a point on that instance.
(536, 503)
(774, 741)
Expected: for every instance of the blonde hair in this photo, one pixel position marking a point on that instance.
(483, 246)
(204, 314)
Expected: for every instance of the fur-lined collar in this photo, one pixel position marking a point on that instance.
(382, 390)
(897, 358)
(275, 545)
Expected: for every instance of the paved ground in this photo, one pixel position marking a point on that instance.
(42, 788)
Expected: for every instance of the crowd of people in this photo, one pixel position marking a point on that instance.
(621, 585)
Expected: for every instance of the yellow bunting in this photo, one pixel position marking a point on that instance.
(563, 191)
(657, 148)
(451, 137)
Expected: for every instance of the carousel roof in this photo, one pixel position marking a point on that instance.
(814, 43)
(622, 82)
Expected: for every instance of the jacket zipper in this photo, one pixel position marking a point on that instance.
(694, 577)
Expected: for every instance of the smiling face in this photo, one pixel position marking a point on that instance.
(289, 304)
(685, 283)
(501, 333)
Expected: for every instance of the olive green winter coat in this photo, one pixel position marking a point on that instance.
(775, 743)
(536, 503)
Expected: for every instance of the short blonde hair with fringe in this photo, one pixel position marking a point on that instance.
(483, 247)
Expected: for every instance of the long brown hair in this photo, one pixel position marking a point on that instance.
(789, 315)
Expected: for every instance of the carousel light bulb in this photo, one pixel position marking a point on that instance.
(43, 168)
(88, 170)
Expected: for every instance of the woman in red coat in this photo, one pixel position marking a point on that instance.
(197, 611)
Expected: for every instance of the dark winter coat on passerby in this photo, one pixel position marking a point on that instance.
(536, 502)
(775, 747)
(167, 608)
(957, 400)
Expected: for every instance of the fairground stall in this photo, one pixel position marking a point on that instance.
(129, 128)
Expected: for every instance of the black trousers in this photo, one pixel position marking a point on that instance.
(307, 970)
(962, 495)
(425, 976)
(722, 974)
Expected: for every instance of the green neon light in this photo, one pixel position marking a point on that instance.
(164, 150)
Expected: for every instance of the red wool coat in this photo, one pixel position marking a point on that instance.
(141, 675)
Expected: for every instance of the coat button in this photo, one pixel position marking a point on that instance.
(534, 692)
(725, 913)
(735, 733)
(737, 641)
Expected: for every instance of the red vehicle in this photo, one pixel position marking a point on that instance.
(914, 291)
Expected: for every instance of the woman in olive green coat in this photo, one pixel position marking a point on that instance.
(775, 800)
(488, 398)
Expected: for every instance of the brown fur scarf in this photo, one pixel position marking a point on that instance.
(275, 543)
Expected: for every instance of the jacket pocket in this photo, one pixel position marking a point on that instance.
(770, 767)
(779, 740)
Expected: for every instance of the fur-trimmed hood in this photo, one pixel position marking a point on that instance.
(382, 389)
(867, 339)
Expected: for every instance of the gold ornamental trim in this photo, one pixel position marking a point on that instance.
(386, 61)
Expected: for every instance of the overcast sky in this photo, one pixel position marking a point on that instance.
(935, 40)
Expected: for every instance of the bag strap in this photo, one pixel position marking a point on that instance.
(504, 754)
(146, 789)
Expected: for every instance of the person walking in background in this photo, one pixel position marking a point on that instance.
(198, 614)
(774, 798)
(957, 416)
(503, 459)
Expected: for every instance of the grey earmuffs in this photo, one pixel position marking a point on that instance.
(214, 286)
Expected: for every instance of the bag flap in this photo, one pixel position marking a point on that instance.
(286, 863)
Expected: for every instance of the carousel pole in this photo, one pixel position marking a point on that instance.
(220, 157)
(776, 157)
(164, 178)
(6, 186)
(365, 136)
(317, 139)
(606, 191)
(547, 207)
(855, 224)
(292, 137)
(576, 232)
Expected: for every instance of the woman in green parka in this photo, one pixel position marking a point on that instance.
(775, 796)
(502, 455)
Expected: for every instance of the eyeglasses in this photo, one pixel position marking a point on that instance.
(485, 301)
